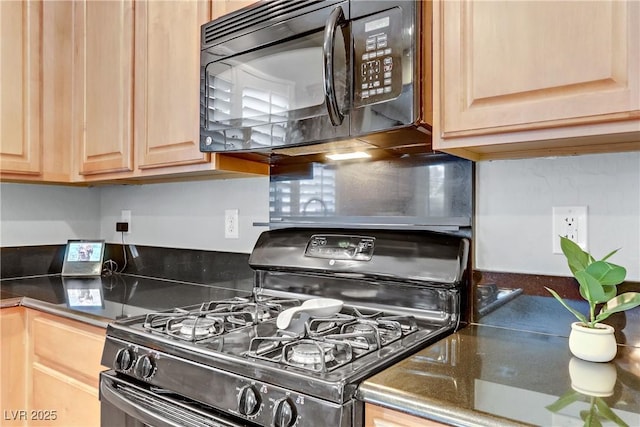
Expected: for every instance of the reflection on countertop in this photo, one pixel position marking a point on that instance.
(543, 314)
(101, 300)
(489, 297)
(484, 375)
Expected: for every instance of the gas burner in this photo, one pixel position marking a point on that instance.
(364, 332)
(316, 355)
(310, 354)
(197, 327)
(158, 321)
(363, 328)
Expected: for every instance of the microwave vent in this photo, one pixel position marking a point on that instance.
(255, 16)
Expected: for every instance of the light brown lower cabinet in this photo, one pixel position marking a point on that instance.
(379, 416)
(55, 366)
(13, 351)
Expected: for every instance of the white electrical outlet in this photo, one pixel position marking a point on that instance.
(231, 224)
(569, 222)
(125, 216)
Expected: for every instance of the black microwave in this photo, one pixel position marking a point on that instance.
(316, 75)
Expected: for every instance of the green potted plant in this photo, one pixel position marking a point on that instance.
(589, 338)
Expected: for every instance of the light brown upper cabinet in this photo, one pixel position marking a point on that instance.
(146, 116)
(20, 87)
(145, 109)
(167, 82)
(103, 82)
(36, 90)
(529, 78)
(105, 91)
(222, 7)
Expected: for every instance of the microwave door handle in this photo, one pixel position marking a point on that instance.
(335, 19)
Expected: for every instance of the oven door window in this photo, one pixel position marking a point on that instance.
(274, 95)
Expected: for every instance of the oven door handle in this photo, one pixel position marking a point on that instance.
(335, 19)
(111, 395)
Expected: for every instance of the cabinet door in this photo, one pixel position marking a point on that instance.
(12, 361)
(64, 363)
(558, 70)
(377, 416)
(103, 85)
(60, 400)
(222, 7)
(524, 63)
(168, 82)
(20, 86)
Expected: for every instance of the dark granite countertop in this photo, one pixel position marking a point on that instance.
(545, 315)
(114, 297)
(484, 375)
(508, 368)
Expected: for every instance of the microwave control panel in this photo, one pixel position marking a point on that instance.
(377, 57)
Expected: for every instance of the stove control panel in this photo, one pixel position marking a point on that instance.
(260, 403)
(340, 247)
(130, 361)
(145, 367)
(285, 413)
(125, 358)
(249, 401)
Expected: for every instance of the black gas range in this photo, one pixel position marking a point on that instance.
(226, 363)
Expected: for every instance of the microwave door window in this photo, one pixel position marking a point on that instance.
(270, 97)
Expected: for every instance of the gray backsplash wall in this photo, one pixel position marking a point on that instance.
(187, 214)
(515, 200)
(512, 224)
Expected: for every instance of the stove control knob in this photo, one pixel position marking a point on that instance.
(124, 359)
(145, 367)
(248, 401)
(285, 413)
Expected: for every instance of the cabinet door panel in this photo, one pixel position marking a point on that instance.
(168, 82)
(63, 368)
(378, 416)
(20, 86)
(104, 85)
(222, 7)
(527, 64)
(82, 360)
(74, 403)
(13, 368)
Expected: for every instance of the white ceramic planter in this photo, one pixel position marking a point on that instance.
(593, 344)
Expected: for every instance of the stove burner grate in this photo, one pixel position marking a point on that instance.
(330, 342)
(215, 318)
